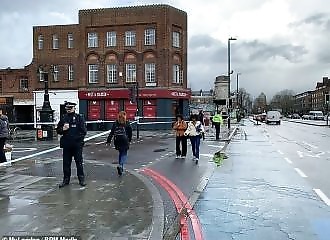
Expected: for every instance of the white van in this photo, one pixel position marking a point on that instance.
(315, 115)
(273, 117)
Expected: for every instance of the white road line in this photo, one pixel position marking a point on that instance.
(288, 160)
(280, 152)
(300, 173)
(98, 143)
(322, 196)
(216, 146)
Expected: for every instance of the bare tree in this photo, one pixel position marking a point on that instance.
(283, 101)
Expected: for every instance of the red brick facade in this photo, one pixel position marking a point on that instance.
(112, 48)
(162, 18)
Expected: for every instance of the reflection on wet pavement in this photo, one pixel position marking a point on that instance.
(109, 207)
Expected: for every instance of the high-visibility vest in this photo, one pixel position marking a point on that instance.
(217, 118)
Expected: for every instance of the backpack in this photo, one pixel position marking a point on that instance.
(120, 137)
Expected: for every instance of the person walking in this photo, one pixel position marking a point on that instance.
(4, 134)
(201, 119)
(122, 132)
(73, 129)
(180, 126)
(194, 131)
(217, 121)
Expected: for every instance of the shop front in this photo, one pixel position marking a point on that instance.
(156, 108)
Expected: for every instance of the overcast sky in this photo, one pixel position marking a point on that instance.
(281, 44)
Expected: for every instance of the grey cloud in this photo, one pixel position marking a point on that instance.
(318, 20)
(264, 52)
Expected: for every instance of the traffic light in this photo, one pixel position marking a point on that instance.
(327, 98)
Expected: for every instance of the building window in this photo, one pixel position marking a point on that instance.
(40, 42)
(70, 73)
(24, 84)
(112, 73)
(150, 72)
(70, 40)
(55, 41)
(177, 74)
(55, 73)
(130, 38)
(111, 39)
(92, 40)
(130, 72)
(93, 70)
(149, 36)
(176, 39)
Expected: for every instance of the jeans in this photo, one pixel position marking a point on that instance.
(122, 157)
(195, 142)
(217, 130)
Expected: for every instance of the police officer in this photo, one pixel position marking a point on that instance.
(72, 127)
(217, 121)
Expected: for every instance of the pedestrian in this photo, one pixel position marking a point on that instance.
(201, 119)
(217, 121)
(4, 134)
(122, 132)
(194, 131)
(180, 127)
(73, 129)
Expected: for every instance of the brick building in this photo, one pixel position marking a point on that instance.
(16, 94)
(111, 50)
(303, 102)
(318, 95)
(107, 53)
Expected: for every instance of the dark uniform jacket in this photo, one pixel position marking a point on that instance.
(77, 130)
(121, 143)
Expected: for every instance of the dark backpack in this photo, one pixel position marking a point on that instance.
(120, 137)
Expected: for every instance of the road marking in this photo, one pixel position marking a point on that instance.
(300, 154)
(23, 149)
(98, 143)
(288, 160)
(206, 155)
(180, 201)
(316, 155)
(324, 197)
(300, 173)
(215, 146)
(280, 152)
(310, 145)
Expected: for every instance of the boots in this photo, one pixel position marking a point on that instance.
(64, 183)
(82, 181)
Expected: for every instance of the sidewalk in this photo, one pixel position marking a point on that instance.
(108, 208)
(250, 197)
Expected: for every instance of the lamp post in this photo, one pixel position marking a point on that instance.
(229, 72)
(137, 111)
(45, 131)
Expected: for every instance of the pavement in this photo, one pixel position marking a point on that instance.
(252, 197)
(133, 206)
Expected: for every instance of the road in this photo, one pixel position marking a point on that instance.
(306, 149)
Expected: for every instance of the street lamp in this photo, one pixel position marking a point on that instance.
(229, 72)
(45, 131)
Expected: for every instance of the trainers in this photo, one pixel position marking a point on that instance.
(119, 170)
(177, 157)
(63, 184)
(183, 157)
(196, 161)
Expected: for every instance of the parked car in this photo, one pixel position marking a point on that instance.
(295, 116)
(316, 115)
(305, 117)
(273, 117)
